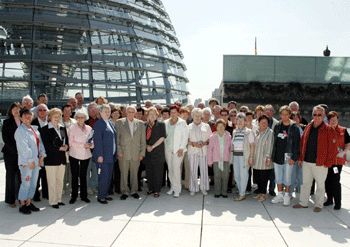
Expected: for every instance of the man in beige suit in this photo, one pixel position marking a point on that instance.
(131, 144)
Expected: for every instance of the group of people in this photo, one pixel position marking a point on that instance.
(104, 148)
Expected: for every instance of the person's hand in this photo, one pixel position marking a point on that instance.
(41, 161)
(268, 162)
(32, 165)
(100, 160)
(141, 158)
(64, 148)
(250, 161)
(87, 145)
(291, 162)
(149, 149)
(120, 155)
(180, 152)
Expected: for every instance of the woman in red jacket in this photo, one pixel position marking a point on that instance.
(332, 184)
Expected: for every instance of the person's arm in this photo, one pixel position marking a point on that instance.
(118, 126)
(98, 141)
(210, 151)
(295, 144)
(162, 135)
(268, 150)
(23, 147)
(252, 147)
(143, 141)
(184, 139)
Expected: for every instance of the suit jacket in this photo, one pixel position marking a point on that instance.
(9, 128)
(131, 147)
(103, 142)
(52, 143)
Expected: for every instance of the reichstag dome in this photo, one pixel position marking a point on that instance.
(124, 50)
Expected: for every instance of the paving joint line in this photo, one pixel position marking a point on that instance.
(202, 217)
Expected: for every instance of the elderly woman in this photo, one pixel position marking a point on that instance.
(262, 156)
(198, 140)
(10, 154)
(79, 136)
(104, 153)
(155, 157)
(56, 143)
(219, 156)
(31, 153)
(332, 184)
(243, 154)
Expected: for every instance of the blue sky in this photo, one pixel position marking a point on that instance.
(208, 29)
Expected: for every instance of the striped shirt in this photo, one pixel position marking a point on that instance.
(263, 149)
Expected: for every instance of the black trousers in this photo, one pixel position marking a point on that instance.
(154, 174)
(272, 184)
(261, 178)
(166, 181)
(13, 178)
(42, 179)
(139, 175)
(78, 169)
(333, 186)
(249, 184)
(115, 185)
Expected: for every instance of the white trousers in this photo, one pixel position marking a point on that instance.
(55, 176)
(174, 169)
(197, 160)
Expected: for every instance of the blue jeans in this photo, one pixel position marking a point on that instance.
(297, 178)
(241, 174)
(283, 174)
(92, 182)
(29, 179)
(105, 171)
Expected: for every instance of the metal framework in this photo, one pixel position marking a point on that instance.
(124, 50)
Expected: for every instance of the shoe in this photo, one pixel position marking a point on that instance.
(72, 200)
(156, 195)
(224, 196)
(87, 200)
(277, 199)
(286, 200)
(56, 206)
(108, 198)
(239, 198)
(150, 192)
(317, 209)
(12, 205)
(299, 206)
(337, 207)
(102, 201)
(272, 193)
(176, 195)
(261, 198)
(24, 210)
(135, 196)
(123, 197)
(33, 208)
(61, 204)
(170, 192)
(327, 203)
(204, 193)
(216, 196)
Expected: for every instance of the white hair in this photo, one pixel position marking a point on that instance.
(294, 103)
(196, 111)
(103, 107)
(81, 112)
(319, 108)
(27, 98)
(241, 115)
(131, 107)
(207, 110)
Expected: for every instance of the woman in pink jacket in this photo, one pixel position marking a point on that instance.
(219, 156)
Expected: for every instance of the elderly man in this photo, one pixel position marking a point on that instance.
(131, 144)
(27, 102)
(317, 152)
(294, 107)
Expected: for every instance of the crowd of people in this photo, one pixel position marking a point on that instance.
(101, 148)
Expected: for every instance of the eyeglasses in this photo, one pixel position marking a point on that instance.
(317, 115)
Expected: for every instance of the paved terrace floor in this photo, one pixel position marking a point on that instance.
(166, 221)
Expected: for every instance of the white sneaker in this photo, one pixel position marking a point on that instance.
(170, 192)
(204, 193)
(176, 195)
(192, 193)
(277, 199)
(286, 200)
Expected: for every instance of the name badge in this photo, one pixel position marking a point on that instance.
(335, 170)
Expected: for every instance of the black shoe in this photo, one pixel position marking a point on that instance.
(123, 197)
(87, 200)
(72, 200)
(61, 204)
(32, 208)
(272, 193)
(24, 210)
(108, 198)
(56, 206)
(136, 196)
(36, 199)
(327, 203)
(102, 201)
(229, 191)
(224, 196)
(216, 196)
(337, 207)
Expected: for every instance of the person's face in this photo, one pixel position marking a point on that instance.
(258, 113)
(296, 119)
(80, 119)
(174, 114)
(220, 128)
(206, 116)
(139, 115)
(42, 112)
(318, 117)
(249, 119)
(67, 112)
(294, 107)
(55, 119)
(285, 116)
(115, 115)
(99, 101)
(106, 113)
(240, 123)
(233, 118)
(231, 106)
(152, 116)
(42, 100)
(130, 113)
(269, 112)
(80, 99)
(93, 111)
(15, 112)
(28, 104)
(212, 104)
(184, 115)
(197, 118)
(201, 106)
(148, 104)
(333, 122)
(165, 115)
(263, 124)
(224, 115)
(27, 118)
(73, 103)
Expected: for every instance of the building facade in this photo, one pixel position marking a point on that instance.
(124, 50)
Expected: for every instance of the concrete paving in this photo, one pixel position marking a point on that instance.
(166, 221)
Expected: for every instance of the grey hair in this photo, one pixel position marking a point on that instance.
(294, 103)
(81, 112)
(196, 111)
(103, 107)
(319, 108)
(131, 107)
(241, 115)
(27, 98)
(206, 109)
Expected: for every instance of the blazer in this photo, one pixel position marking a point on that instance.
(27, 146)
(180, 135)
(52, 143)
(214, 148)
(9, 128)
(131, 147)
(103, 141)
